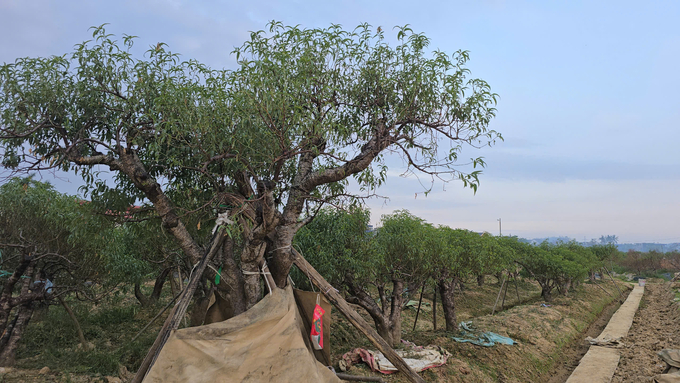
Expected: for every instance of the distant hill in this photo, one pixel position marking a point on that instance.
(642, 246)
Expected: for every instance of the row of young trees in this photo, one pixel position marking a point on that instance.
(379, 269)
(650, 262)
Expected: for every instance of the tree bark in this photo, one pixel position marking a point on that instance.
(6, 301)
(251, 259)
(130, 165)
(158, 285)
(567, 286)
(200, 308)
(8, 353)
(387, 318)
(446, 289)
(231, 286)
(8, 331)
(382, 326)
(434, 309)
(141, 298)
(546, 292)
(480, 280)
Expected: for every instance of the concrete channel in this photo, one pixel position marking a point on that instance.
(599, 363)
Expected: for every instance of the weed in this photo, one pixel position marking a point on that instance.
(114, 315)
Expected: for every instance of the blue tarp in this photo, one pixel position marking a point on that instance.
(486, 339)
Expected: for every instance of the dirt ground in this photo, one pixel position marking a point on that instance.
(549, 337)
(656, 326)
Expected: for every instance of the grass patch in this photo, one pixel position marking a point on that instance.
(51, 339)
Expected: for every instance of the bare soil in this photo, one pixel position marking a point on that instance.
(551, 338)
(656, 327)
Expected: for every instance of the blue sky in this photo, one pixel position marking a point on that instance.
(588, 97)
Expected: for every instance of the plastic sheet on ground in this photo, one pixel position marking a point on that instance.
(672, 372)
(419, 358)
(425, 306)
(606, 342)
(487, 339)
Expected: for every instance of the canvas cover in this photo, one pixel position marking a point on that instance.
(264, 344)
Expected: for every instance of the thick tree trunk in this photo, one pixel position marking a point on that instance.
(6, 301)
(387, 319)
(382, 326)
(8, 353)
(200, 308)
(251, 259)
(8, 331)
(480, 280)
(282, 259)
(434, 309)
(395, 310)
(446, 289)
(566, 287)
(546, 292)
(231, 286)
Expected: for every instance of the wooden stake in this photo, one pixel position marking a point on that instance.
(499, 296)
(338, 301)
(608, 293)
(434, 308)
(420, 301)
(612, 278)
(154, 319)
(505, 293)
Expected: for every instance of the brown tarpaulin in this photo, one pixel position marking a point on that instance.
(264, 344)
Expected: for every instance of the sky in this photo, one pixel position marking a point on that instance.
(588, 97)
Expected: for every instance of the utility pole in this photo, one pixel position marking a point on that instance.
(500, 232)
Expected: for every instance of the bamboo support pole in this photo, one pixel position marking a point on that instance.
(434, 308)
(177, 312)
(499, 296)
(420, 301)
(612, 278)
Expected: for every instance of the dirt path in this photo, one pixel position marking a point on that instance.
(656, 326)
